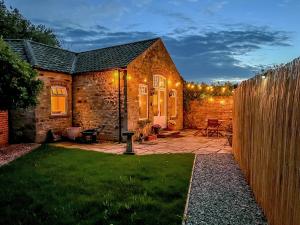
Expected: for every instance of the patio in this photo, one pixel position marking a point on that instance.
(186, 142)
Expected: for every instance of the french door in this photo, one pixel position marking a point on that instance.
(160, 100)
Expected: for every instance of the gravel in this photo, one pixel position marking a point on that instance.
(12, 152)
(220, 194)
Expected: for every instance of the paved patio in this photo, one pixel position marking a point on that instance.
(186, 142)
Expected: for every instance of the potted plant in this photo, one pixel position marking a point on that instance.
(156, 128)
(172, 125)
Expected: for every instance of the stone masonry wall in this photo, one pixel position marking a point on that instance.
(199, 111)
(154, 61)
(44, 120)
(3, 128)
(95, 102)
(22, 125)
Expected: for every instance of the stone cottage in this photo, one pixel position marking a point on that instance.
(124, 87)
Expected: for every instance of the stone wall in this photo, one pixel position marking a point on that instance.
(22, 125)
(44, 120)
(32, 125)
(3, 128)
(154, 61)
(199, 111)
(95, 102)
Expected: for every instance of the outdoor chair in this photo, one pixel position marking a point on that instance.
(213, 126)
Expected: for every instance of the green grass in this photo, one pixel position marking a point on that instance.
(58, 186)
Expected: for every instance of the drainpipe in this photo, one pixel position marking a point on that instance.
(120, 116)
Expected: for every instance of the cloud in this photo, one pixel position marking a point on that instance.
(208, 55)
(215, 55)
(215, 7)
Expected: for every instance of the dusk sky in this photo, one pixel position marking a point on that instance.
(209, 40)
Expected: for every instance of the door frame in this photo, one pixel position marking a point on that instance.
(161, 120)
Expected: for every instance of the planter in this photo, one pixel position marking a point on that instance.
(171, 127)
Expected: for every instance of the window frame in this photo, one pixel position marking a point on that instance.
(66, 100)
(175, 102)
(145, 94)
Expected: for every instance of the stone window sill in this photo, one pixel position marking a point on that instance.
(59, 116)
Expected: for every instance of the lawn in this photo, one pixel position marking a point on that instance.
(53, 185)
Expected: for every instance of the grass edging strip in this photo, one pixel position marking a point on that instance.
(184, 218)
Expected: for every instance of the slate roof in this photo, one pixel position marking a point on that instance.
(57, 59)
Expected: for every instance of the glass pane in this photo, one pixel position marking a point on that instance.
(155, 104)
(54, 92)
(58, 105)
(162, 103)
(162, 82)
(143, 106)
(155, 81)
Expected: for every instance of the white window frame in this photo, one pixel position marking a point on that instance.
(174, 96)
(144, 86)
(66, 103)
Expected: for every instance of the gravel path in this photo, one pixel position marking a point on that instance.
(12, 152)
(220, 194)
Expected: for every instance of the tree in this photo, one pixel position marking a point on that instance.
(19, 85)
(14, 25)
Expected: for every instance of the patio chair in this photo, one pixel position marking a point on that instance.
(213, 127)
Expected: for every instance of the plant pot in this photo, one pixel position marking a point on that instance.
(171, 127)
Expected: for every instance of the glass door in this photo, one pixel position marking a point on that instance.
(160, 101)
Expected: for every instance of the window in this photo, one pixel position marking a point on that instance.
(159, 81)
(173, 103)
(143, 101)
(58, 100)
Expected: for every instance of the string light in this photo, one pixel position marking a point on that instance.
(193, 86)
(199, 86)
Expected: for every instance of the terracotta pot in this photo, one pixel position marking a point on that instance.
(171, 127)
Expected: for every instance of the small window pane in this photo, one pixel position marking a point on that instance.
(143, 101)
(58, 100)
(162, 103)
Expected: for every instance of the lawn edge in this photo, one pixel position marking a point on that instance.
(184, 218)
(22, 155)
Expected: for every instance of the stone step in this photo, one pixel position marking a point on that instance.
(167, 133)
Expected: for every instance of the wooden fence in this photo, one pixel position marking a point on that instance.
(266, 141)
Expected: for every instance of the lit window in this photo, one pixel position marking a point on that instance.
(173, 103)
(143, 101)
(58, 100)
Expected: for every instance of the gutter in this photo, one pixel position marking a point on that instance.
(124, 70)
(120, 116)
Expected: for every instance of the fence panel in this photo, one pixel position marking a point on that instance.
(266, 141)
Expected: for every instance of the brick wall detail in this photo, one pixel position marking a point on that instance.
(199, 111)
(3, 128)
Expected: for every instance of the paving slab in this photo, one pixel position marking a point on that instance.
(186, 143)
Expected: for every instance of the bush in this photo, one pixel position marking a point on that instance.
(19, 86)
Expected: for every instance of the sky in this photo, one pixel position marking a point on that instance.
(209, 40)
